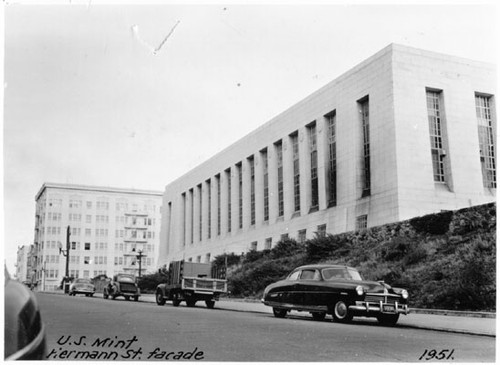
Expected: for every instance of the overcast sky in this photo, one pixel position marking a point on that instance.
(135, 96)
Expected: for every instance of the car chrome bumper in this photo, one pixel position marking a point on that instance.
(366, 307)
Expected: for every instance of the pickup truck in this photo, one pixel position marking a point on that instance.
(191, 282)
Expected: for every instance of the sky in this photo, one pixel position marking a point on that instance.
(134, 96)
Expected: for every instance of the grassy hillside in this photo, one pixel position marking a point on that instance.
(445, 260)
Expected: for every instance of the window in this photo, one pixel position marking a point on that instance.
(251, 162)
(86, 274)
(102, 205)
(87, 246)
(88, 219)
(88, 232)
(253, 246)
(331, 121)
(89, 205)
(268, 243)
(198, 258)
(217, 179)
(86, 260)
(361, 222)
(365, 126)
(486, 141)
(207, 258)
(74, 203)
(436, 134)
(313, 149)
(321, 232)
(200, 213)
(191, 218)
(239, 168)
(279, 160)
(183, 197)
(265, 168)
(228, 176)
(284, 237)
(302, 236)
(294, 138)
(294, 275)
(209, 222)
(309, 275)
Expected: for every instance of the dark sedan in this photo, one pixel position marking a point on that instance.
(337, 290)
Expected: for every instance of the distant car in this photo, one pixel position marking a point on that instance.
(122, 285)
(24, 331)
(81, 286)
(337, 290)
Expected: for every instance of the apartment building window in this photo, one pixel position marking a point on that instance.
(209, 223)
(87, 246)
(207, 258)
(191, 220)
(219, 210)
(88, 232)
(365, 128)
(251, 162)
(294, 139)
(313, 149)
(265, 171)
(486, 140)
(89, 205)
(268, 243)
(302, 236)
(228, 178)
(361, 222)
(321, 232)
(86, 260)
(102, 205)
(239, 168)
(88, 219)
(200, 212)
(279, 161)
(331, 121)
(184, 220)
(436, 126)
(75, 231)
(253, 246)
(284, 237)
(73, 203)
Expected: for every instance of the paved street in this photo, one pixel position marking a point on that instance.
(93, 328)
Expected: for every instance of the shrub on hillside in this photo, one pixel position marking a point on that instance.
(148, 283)
(438, 223)
(230, 258)
(255, 255)
(324, 247)
(287, 247)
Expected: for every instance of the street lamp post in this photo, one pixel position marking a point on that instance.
(139, 257)
(66, 254)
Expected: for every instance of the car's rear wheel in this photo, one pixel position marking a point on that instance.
(210, 304)
(127, 297)
(318, 316)
(341, 312)
(160, 299)
(279, 313)
(388, 319)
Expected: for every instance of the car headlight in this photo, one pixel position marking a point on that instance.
(360, 290)
(404, 294)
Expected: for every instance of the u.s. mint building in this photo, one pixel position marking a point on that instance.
(405, 133)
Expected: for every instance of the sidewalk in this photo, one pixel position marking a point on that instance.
(446, 321)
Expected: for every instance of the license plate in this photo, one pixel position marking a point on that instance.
(389, 308)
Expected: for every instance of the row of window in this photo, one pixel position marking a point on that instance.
(99, 205)
(312, 150)
(103, 232)
(104, 219)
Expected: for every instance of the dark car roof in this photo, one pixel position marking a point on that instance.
(322, 266)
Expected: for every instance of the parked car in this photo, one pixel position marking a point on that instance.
(122, 285)
(337, 290)
(24, 330)
(82, 286)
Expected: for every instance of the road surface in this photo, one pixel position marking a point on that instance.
(85, 328)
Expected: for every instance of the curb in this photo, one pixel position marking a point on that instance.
(446, 312)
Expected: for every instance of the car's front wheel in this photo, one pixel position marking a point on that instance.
(388, 319)
(160, 299)
(210, 304)
(279, 313)
(341, 312)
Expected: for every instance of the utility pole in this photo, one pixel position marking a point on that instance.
(66, 254)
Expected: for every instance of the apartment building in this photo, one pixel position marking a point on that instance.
(109, 230)
(405, 133)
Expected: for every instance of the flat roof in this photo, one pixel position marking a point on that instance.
(103, 189)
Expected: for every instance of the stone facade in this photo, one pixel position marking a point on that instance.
(379, 168)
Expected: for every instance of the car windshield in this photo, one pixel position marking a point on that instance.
(126, 279)
(82, 281)
(335, 273)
